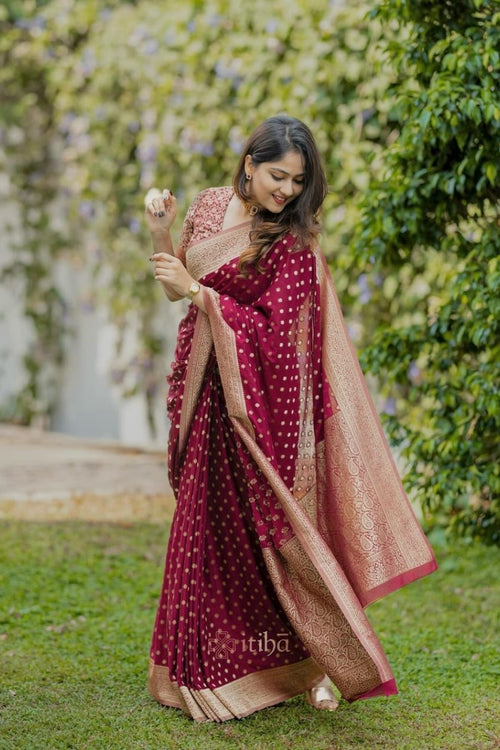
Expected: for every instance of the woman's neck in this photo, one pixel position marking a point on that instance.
(236, 213)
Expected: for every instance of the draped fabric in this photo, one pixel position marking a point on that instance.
(290, 514)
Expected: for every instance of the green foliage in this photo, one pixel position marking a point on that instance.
(77, 606)
(118, 96)
(436, 209)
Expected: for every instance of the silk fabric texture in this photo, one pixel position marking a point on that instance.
(290, 515)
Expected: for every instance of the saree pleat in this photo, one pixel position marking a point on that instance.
(219, 618)
(290, 514)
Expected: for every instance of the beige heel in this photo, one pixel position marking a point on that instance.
(322, 697)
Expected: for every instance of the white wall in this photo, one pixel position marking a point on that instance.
(88, 403)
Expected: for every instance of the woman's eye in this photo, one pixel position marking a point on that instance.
(276, 178)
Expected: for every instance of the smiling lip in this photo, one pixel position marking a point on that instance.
(279, 200)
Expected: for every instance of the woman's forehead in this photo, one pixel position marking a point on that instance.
(291, 163)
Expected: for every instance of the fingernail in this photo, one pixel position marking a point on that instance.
(155, 213)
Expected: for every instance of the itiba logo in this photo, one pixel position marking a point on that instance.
(223, 646)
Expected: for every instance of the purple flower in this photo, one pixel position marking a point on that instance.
(31, 24)
(86, 210)
(96, 252)
(223, 71)
(150, 47)
(366, 114)
(176, 99)
(117, 375)
(88, 62)
(215, 19)
(414, 373)
(65, 125)
(134, 226)
(34, 178)
(146, 152)
(152, 389)
(272, 26)
(353, 329)
(86, 305)
(147, 176)
(100, 113)
(139, 34)
(365, 294)
(133, 126)
(389, 406)
(236, 141)
(204, 148)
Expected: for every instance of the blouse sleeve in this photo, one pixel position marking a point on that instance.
(188, 228)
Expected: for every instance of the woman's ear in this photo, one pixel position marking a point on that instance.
(248, 165)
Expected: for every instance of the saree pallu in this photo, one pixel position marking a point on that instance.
(290, 514)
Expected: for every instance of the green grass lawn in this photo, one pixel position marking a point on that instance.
(77, 603)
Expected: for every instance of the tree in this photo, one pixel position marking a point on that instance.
(432, 220)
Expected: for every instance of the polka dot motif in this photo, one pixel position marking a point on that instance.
(219, 618)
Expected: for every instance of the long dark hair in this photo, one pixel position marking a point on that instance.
(273, 139)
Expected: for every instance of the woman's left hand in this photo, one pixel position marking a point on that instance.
(172, 275)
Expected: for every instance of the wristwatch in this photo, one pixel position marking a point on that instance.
(193, 289)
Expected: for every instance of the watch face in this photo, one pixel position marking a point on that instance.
(194, 289)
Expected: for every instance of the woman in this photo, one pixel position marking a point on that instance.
(290, 515)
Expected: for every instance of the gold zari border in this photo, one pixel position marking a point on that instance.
(236, 699)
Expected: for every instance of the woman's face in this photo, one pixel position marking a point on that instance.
(274, 184)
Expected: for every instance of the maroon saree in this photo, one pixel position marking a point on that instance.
(290, 514)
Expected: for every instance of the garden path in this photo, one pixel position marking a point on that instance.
(46, 476)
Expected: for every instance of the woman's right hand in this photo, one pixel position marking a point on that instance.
(161, 209)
